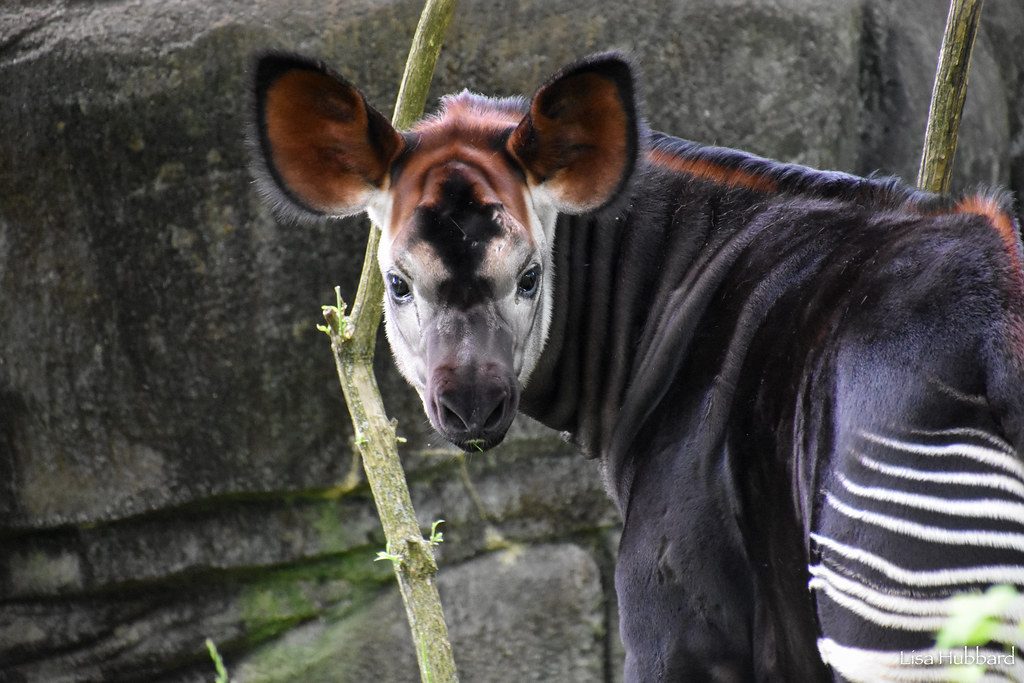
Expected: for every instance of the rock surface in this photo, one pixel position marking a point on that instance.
(175, 457)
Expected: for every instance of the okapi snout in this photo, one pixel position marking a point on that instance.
(472, 392)
(472, 407)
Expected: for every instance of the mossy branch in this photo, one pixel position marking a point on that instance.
(948, 94)
(353, 338)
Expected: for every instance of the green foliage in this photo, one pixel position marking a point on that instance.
(974, 618)
(974, 621)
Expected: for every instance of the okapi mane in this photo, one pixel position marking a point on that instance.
(732, 167)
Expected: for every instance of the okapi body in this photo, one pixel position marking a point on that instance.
(804, 387)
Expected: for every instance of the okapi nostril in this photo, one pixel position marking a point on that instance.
(452, 419)
(497, 415)
(472, 416)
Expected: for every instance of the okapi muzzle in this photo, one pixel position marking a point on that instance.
(472, 392)
(467, 202)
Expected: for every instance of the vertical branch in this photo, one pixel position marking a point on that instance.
(412, 97)
(353, 338)
(419, 68)
(948, 95)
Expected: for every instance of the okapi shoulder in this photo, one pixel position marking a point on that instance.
(995, 208)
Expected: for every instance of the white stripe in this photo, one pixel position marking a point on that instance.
(1004, 459)
(871, 666)
(992, 481)
(968, 537)
(887, 601)
(984, 508)
(912, 614)
(950, 390)
(825, 578)
(985, 575)
(979, 434)
(882, 618)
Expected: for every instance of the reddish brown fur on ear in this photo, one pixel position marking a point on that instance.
(579, 139)
(320, 142)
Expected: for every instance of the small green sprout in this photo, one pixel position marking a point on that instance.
(222, 673)
(336, 318)
(395, 558)
(436, 537)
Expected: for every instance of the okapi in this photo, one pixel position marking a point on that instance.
(804, 387)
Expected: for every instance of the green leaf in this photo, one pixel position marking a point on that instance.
(974, 618)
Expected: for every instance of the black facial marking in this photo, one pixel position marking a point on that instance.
(464, 293)
(460, 231)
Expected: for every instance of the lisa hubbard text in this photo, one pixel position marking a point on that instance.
(966, 656)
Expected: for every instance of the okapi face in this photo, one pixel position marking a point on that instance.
(466, 201)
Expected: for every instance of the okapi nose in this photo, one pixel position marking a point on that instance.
(474, 414)
(459, 415)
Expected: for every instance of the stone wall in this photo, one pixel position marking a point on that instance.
(175, 457)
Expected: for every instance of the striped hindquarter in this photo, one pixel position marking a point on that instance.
(907, 521)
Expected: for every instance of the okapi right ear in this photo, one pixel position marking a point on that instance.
(317, 145)
(579, 139)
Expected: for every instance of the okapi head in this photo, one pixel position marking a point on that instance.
(467, 202)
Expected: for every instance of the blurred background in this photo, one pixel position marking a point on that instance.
(175, 455)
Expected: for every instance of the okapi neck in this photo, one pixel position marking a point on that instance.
(656, 307)
(615, 273)
(680, 305)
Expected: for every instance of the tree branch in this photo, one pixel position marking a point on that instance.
(353, 338)
(948, 95)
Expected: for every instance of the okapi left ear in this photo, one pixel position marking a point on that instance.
(318, 147)
(579, 139)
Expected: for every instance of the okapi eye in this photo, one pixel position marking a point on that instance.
(398, 287)
(528, 281)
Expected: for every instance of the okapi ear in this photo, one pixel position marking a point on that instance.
(579, 138)
(317, 145)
